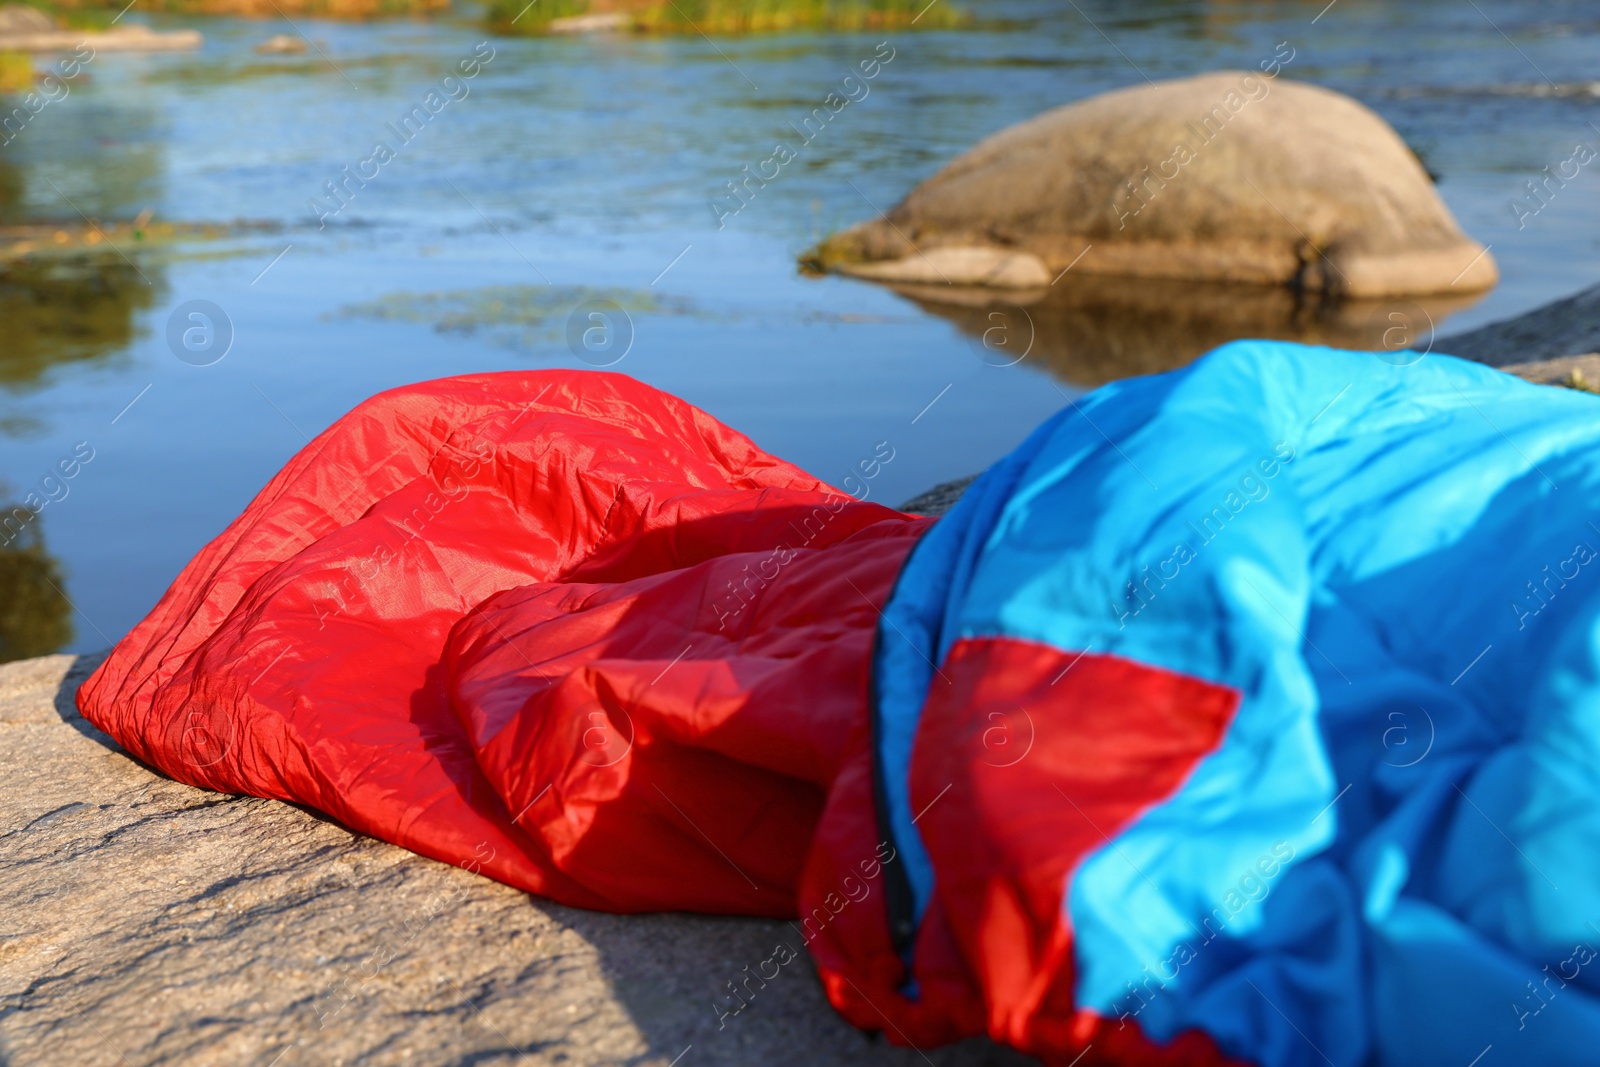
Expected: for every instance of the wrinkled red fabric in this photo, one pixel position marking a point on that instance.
(558, 627)
(1011, 800)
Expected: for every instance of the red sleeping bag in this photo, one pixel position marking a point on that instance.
(558, 627)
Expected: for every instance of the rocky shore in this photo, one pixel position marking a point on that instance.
(132, 38)
(27, 29)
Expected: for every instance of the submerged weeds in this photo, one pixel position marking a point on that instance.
(513, 316)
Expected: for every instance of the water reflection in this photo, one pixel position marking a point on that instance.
(67, 295)
(68, 311)
(87, 157)
(1090, 330)
(11, 191)
(35, 617)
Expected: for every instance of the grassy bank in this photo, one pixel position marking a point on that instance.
(16, 72)
(728, 16)
(97, 14)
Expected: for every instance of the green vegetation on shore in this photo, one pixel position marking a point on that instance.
(97, 14)
(728, 16)
(16, 72)
(515, 17)
(1575, 380)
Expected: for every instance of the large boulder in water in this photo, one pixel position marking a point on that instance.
(1232, 176)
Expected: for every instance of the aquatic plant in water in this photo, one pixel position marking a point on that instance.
(513, 316)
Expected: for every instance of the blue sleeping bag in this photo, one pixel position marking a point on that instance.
(1387, 851)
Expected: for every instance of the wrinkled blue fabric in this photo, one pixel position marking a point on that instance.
(1394, 855)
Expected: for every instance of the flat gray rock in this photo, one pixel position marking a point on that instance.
(151, 922)
(940, 499)
(1568, 327)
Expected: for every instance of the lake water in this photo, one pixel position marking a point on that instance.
(582, 170)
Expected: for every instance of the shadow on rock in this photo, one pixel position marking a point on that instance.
(66, 699)
(740, 991)
(1089, 330)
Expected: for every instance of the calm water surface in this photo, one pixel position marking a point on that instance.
(580, 170)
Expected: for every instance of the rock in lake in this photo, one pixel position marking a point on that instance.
(1231, 176)
(129, 38)
(281, 44)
